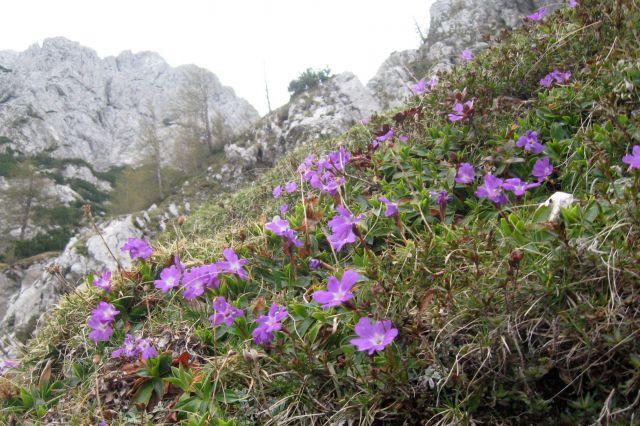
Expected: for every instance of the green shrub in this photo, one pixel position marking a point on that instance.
(308, 80)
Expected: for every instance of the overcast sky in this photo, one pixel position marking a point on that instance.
(241, 41)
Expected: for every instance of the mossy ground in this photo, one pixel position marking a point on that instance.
(504, 316)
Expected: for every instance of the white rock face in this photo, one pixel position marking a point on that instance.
(63, 97)
(39, 290)
(392, 83)
(325, 111)
(72, 171)
(455, 25)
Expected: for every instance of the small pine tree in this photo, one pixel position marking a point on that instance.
(308, 80)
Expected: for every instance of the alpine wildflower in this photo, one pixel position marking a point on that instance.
(538, 15)
(518, 186)
(342, 227)
(104, 282)
(277, 192)
(542, 168)
(633, 159)
(337, 291)
(233, 264)
(529, 141)
(291, 187)
(169, 278)
(373, 337)
(392, 208)
(224, 312)
(466, 55)
(137, 248)
(466, 174)
(492, 189)
(263, 334)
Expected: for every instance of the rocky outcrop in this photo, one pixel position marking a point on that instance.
(63, 98)
(390, 85)
(323, 112)
(40, 285)
(455, 25)
(470, 24)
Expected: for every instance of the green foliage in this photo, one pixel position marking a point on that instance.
(53, 240)
(308, 80)
(504, 316)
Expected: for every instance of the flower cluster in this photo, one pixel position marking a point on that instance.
(373, 337)
(461, 112)
(342, 228)
(529, 141)
(104, 282)
(7, 364)
(281, 228)
(465, 174)
(263, 334)
(133, 347)
(421, 86)
(538, 15)
(337, 291)
(559, 77)
(101, 322)
(224, 312)
(137, 248)
(323, 174)
(392, 208)
(289, 187)
(633, 159)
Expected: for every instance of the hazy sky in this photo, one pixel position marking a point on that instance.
(240, 40)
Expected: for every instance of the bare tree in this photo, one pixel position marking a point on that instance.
(26, 190)
(194, 106)
(150, 140)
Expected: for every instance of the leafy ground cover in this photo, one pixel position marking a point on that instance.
(408, 272)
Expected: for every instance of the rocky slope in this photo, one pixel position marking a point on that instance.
(323, 112)
(63, 97)
(455, 25)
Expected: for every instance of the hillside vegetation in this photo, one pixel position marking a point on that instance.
(473, 303)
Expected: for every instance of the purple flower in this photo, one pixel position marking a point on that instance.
(542, 168)
(284, 208)
(466, 55)
(492, 189)
(529, 142)
(104, 312)
(104, 282)
(225, 312)
(403, 138)
(538, 15)
(169, 278)
(134, 347)
(102, 330)
(291, 187)
(518, 186)
(233, 265)
(373, 337)
(145, 349)
(466, 174)
(342, 227)
(442, 197)
(263, 334)
(314, 263)
(365, 121)
(419, 87)
(633, 159)
(277, 191)
(138, 249)
(433, 82)
(561, 77)
(547, 81)
(337, 291)
(573, 3)
(558, 76)
(7, 364)
(281, 227)
(387, 136)
(461, 111)
(196, 280)
(128, 349)
(392, 208)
